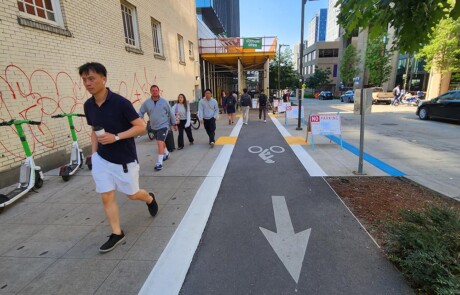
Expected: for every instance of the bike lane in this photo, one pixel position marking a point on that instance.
(274, 229)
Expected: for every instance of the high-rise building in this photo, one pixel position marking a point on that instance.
(317, 27)
(332, 28)
(222, 17)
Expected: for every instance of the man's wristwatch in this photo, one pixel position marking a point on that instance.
(117, 138)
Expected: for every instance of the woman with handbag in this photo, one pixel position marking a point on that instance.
(182, 111)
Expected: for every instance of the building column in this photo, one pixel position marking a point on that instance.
(438, 83)
(266, 84)
(240, 77)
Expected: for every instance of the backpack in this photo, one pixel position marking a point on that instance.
(230, 101)
(245, 100)
(262, 100)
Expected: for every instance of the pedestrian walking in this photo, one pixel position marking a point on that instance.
(161, 119)
(262, 101)
(223, 101)
(208, 110)
(182, 111)
(231, 101)
(245, 105)
(397, 95)
(115, 165)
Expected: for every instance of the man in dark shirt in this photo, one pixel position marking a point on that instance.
(262, 105)
(115, 123)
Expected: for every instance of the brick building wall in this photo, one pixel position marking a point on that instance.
(39, 60)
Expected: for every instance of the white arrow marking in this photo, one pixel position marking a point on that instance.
(289, 246)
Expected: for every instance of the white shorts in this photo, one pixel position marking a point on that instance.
(109, 176)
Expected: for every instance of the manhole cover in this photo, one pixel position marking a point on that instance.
(389, 124)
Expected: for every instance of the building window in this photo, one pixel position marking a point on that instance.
(313, 55)
(156, 36)
(43, 10)
(190, 50)
(180, 47)
(128, 13)
(332, 52)
(334, 71)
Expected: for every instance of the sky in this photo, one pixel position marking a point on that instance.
(277, 18)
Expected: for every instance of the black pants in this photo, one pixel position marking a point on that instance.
(210, 126)
(263, 110)
(188, 130)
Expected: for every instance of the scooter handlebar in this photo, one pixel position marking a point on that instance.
(67, 115)
(19, 122)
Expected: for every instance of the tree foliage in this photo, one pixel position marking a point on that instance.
(443, 51)
(378, 61)
(349, 65)
(319, 79)
(288, 76)
(413, 20)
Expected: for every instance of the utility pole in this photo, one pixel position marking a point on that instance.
(301, 64)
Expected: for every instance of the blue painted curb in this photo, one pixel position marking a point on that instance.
(374, 161)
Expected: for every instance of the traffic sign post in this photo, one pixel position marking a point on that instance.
(324, 124)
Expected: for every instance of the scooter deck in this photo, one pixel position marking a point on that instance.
(12, 194)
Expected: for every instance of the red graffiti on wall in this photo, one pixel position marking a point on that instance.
(38, 95)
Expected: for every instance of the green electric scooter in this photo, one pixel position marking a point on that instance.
(76, 154)
(30, 176)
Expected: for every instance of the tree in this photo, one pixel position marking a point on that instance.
(349, 65)
(378, 61)
(288, 76)
(443, 51)
(319, 79)
(413, 20)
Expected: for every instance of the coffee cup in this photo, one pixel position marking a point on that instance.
(99, 130)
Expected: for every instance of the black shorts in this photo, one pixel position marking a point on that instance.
(160, 134)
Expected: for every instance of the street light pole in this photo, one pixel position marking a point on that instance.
(301, 64)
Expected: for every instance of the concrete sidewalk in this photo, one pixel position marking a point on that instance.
(50, 239)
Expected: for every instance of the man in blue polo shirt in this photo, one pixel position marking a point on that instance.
(115, 123)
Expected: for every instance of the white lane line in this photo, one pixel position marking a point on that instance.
(169, 273)
(307, 161)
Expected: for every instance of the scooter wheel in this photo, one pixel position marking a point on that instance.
(81, 160)
(66, 177)
(38, 180)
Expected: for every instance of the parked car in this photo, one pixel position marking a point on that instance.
(348, 96)
(325, 95)
(379, 95)
(445, 106)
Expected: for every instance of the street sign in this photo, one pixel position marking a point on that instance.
(254, 43)
(367, 101)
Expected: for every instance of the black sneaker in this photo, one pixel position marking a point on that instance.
(153, 207)
(113, 241)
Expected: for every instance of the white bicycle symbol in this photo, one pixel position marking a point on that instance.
(265, 154)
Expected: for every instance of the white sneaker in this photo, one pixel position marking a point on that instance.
(265, 121)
